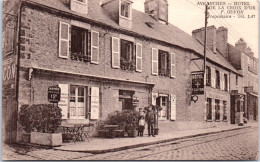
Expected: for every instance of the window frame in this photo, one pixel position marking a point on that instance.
(209, 109)
(225, 82)
(217, 106)
(132, 58)
(208, 76)
(217, 79)
(130, 9)
(86, 101)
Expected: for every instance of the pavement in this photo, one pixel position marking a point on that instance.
(103, 145)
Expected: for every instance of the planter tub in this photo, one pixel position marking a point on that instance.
(47, 139)
(132, 133)
(26, 137)
(156, 131)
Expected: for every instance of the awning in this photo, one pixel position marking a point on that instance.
(253, 94)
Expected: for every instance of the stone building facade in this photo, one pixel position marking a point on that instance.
(103, 55)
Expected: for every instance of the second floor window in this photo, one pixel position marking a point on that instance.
(79, 44)
(164, 63)
(127, 57)
(217, 79)
(208, 76)
(236, 80)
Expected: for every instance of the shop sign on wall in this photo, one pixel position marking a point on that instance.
(197, 83)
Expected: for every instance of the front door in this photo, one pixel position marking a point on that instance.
(77, 102)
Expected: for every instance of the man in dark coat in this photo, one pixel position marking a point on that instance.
(150, 118)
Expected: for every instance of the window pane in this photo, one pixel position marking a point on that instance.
(80, 91)
(72, 90)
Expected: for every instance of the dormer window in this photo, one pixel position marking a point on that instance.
(125, 9)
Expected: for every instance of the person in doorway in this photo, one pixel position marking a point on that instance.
(141, 126)
(150, 118)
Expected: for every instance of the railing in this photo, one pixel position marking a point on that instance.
(79, 56)
(127, 65)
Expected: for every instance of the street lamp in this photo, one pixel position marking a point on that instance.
(241, 119)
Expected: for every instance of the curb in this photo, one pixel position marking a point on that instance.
(150, 143)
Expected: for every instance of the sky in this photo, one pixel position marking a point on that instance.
(188, 15)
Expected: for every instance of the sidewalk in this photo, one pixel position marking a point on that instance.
(99, 145)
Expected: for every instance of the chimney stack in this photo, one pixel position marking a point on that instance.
(158, 9)
(211, 37)
(241, 45)
(222, 39)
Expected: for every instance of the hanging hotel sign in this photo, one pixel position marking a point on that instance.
(197, 83)
(54, 94)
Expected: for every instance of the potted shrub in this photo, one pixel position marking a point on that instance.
(46, 118)
(25, 119)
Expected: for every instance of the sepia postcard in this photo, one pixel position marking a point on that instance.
(130, 79)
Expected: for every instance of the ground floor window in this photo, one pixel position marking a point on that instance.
(162, 101)
(224, 110)
(78, 102)
(126, 100)
(217, 110)
(209, 109)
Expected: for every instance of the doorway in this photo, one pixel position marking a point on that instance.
(163, 101)
(126, 99)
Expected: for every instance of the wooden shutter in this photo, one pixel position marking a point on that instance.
(228, 82)
(173, 106)
(115, 52)
(64, 100)
(221, 80)
(154, 61)
(213, 79)
(64, 40)
(138, 57)
(94, 47)
(173, 65)
(154, 96)
(94, 105)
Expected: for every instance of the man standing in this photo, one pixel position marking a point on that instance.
(150, 118)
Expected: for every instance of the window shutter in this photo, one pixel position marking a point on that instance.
(173, 65)
(138, 57)
(173, 107)
(94, 105)
(221, 80)
(64, 40)
(154, 96)
(94, 47)
(154, 61)
(228, 83)
(115, 52)
(64, 100)
(213, 81)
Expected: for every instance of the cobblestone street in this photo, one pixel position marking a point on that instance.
(232, 145)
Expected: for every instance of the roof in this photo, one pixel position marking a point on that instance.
(166, 33)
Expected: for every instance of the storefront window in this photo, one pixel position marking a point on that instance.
(225, 110)
(209, 109)
(217, 110)
(126, 100)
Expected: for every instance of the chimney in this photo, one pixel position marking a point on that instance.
(211, 37)
(222, 39)
(241, 45)
(158, 9)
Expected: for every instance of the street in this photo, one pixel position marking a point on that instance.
(239, 144)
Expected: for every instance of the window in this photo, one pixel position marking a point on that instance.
(162, 101)
(225, 82)
(224, 110)
(164, 63)
(236, 80)
(125, 9)
(127, 56)
(217, 110)
(209, 109)
(79, 44)
(208, 76)
(217, 79)
(84, 44)
(77, 102)
(126, 100)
